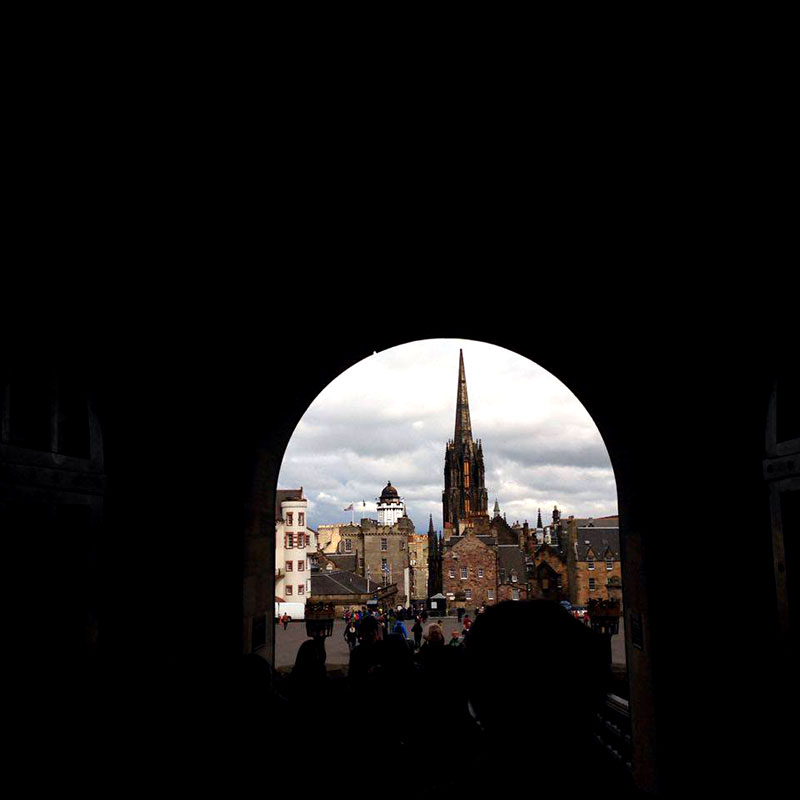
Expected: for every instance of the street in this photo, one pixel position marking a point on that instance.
(288, 641)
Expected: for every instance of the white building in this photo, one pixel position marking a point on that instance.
(390, 506)
(294, 540)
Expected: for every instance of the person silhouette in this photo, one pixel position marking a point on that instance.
(566, 675)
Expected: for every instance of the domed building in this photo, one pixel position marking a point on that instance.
(380, 549)
(390, 506)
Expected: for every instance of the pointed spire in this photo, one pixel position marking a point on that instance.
(463, 424)
(430, 526)
(496, 508)
(539, 520)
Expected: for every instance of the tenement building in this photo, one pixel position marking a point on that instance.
(294, 543)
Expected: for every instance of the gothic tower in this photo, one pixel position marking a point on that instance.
(464, 497)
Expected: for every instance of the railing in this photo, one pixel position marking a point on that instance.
(612, 731)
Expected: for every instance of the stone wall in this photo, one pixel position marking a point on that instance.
(473, 555)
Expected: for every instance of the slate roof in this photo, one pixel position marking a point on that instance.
(348, 563)
(488, 540)
(510, 557)
(340, 582)
(285, 494)
(600, 539)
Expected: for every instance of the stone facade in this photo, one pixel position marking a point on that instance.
(469, 572)
(384, 552)
(418, 565)
(549, 574)
(595, 571)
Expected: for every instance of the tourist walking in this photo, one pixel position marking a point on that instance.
(285, 620)
(416, 629)
(351, 635)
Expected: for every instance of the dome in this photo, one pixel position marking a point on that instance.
(388, 493)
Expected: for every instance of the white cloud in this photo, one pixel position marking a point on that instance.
(388, 418)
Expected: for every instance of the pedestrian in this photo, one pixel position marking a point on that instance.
(400, 628)
(455, 640)
(416, 629)
(350, 635)
(460, 613)
(285, 620)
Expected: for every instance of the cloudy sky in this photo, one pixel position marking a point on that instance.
(389, 417)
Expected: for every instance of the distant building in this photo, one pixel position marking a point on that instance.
(294, 543)
(381, 550)
(594, 561)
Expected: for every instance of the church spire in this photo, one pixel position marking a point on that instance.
(463, 424)
(539, 519)
(430, 527)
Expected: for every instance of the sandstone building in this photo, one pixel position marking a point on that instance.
(381, 550)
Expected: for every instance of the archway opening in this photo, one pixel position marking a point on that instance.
(440, 478)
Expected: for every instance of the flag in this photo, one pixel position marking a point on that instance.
(349, 508)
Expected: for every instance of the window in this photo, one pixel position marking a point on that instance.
(592, 584)
(468, 594)
(289, 566)
(301, 589)
(452, 572)
(466, 505)
(301, 565)
(384, 565)
(289, 540)
(490, 594)
(348, 546)
(609, 564)
(513, 577)
(301, 518)
(402, 545)
(515, 594)
(288, 591)
(591, 565)
(301, 540)
(289, 518)
(463, 573)
(384, 543)
(480, 573)
(560, 583)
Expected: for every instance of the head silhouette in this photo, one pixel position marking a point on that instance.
(530, 662)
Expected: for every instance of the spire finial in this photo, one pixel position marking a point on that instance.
(463, 424)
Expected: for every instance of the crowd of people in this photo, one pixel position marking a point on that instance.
(392, 621)
(480, 690)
